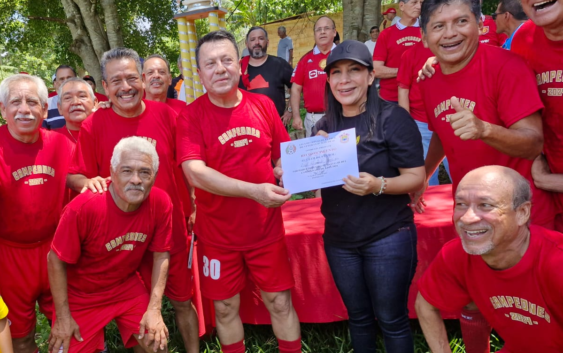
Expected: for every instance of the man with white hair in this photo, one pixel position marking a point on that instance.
(99, 233)
(76, 102)
(130, 115)
(33, 165)
(54, 119)
(510, 269)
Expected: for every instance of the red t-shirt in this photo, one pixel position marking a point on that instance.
(522, 303)
(101, 97)
(391, 45)
(101, 131)
(489, 35)
(545, 58)
(412, 61)
(32, 186)
(310, 74)
(71, 135)
(241, 143)
(104, 246)
(498, 87)
(175, 104)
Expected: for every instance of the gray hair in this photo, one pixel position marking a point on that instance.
(513, 7)
(522, 191)
(79, 80)
(134, 144)
(282, 29)
(120, 53)
(158, 56)
(5, 86)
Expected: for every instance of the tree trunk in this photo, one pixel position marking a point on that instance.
(115, 37)
(372, 9)
(82, 45)
(95, 31)
(352, 18)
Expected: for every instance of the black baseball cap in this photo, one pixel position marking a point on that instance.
(350, 50)
(89, 78)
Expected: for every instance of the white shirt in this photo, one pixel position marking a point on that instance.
(371, 46)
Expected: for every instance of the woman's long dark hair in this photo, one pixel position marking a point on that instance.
(333, 109)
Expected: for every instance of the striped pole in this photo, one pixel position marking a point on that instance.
(186, 60)
(213, 21)
(198, 88)
(222, 22)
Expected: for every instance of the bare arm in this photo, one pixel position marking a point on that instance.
(382, 71)
(433, 159)
(210, 180)
(523, 139)
(432, 325)
(152, 320)
(80, 183)
(294, 104)
(544, 178)
(64, 327)
(5, 337)
(404, 99)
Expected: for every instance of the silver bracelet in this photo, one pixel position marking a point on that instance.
(383, 186)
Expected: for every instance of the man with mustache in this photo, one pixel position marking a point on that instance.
(130, 115)
(309, 77)
(54, 119)
(157, 79)
(483, 109)
(33, 165)
(265, 74)
(99, 244)
(510, 269)
(539, 42)
(76, 102)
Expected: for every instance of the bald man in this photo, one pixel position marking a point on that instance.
(509, 268)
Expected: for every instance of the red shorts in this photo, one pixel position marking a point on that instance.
(180, 278)
(24, 281)
(91, 322)
(223, 272)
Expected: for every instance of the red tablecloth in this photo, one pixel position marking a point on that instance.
(315, 296)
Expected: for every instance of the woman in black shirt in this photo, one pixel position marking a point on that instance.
(370, 237)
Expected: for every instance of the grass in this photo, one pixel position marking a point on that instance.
(316, 338)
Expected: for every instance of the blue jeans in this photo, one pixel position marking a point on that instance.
(374, 281)
(426, 136)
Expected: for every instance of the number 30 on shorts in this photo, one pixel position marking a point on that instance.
(211, 268)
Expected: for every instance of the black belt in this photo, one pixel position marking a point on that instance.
(315, 112)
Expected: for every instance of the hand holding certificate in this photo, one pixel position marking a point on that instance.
(319, 162)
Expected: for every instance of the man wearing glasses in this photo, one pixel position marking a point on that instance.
(509, 17)
(309, 77)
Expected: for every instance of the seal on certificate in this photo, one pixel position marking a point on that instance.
(290, 149)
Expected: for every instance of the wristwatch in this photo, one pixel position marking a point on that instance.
(289, 109)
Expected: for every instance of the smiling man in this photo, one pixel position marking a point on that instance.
(130, 115)
(512, 271)
(157, 79)
(33, 165)
(228, 140)
(76, 102)
(539, 42)
(100, 233)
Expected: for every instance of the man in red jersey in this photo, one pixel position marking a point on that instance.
(76, 102)
(309, 77)
(392, 43)
(227, 142)
(99, 244)
(512, 271)
(33, 165)
(410, 98)
(483, 110)
(157, 79)
(130, 115)
(539, 42)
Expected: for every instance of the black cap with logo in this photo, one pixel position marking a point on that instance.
(350, 50)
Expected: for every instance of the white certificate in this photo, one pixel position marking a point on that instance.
(318, 162)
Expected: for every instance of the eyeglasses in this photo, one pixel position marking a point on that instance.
(494, 15)
(323, 29)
